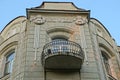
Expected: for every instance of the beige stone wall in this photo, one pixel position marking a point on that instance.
(107, 44)
(60, 24)
(13, 42)
(28, 37)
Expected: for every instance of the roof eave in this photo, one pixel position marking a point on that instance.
(55, 11)
(40, 7)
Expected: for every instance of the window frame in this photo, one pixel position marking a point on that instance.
(108, 54)
(9, 63)
(106, 63)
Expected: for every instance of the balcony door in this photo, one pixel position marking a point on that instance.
(62, 75)
(60, 44)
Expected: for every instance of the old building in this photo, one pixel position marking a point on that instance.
(58, 41)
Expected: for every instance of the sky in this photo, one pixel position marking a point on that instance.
(106, 11)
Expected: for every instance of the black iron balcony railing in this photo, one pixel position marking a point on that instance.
(63, 54)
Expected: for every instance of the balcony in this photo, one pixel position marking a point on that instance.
(62, 54)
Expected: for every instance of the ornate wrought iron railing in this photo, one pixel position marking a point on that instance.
(62, 47)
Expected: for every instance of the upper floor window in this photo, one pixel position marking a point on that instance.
(59, 44)
(106, 63)
(9, 63)
(59, 38)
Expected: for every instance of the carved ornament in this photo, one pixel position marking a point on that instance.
(80, 20)
(37, 19)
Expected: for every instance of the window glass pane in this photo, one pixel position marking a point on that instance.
(11, 66)
(7, 68)
(106, 63)
(9, 63)
(10, 57)
(59, 38)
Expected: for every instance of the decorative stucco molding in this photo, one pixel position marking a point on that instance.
(37, 19)
(80, 20)
(60, 19)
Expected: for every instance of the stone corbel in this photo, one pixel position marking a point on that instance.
(37, 19)
(80, 21)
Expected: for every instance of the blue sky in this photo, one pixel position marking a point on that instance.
(106, 11)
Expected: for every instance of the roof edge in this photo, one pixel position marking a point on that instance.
(102, 25)
(59, 2)
(11, 22)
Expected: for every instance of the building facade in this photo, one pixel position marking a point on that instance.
(58, 41)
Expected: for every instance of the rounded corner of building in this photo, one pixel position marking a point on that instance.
(9, 25)
(96, 21)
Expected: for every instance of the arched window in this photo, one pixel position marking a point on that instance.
(106, 62)
(59, 44)
(9, 62)
(59, 38)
